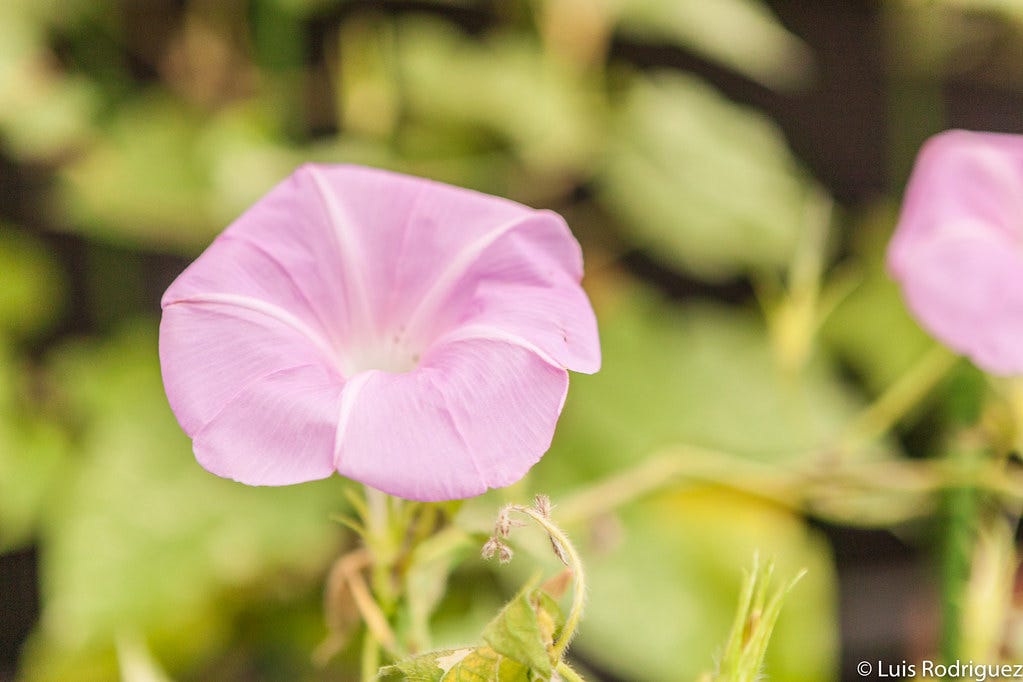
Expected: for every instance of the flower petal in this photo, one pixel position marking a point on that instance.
(525, 284)
(213, 346)
(519, 288)
(967, 290)
(432, 244)
(475, 415)
(275, 341)
(962, 181)
(399, 232)
(278, 430)
(283, 251)
(958, 247)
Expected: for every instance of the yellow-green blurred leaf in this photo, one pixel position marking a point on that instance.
(673, 579)
(31, 456)
(1010, 8)
(741, 34)
(670, 567)
(141, 182)
(141, 538)
(42, 111)
(243, 161)
(701, 374)
(48, 115)
(506, 86)
(702, 183)
(872, 327)
(33, 286)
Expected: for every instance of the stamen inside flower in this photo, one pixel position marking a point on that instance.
(390, 355)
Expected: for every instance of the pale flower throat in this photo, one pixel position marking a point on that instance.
(392, 355)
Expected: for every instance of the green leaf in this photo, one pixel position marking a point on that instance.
(243, 159)
(42, 111)
(507, 86)
(700, 374)
(32, 454)
(706, 185)
(669, 566)
(430, 667)
(32, 448)
(523, 631)
(549, 615)
(481, 664)
(136, 663)
(166, 152)
(741, 34)
(1009, 8)
(33, 285)
(48, 117)
(486, 665)
(872, 328)
(142, 539)
(150, 147)
(32, 457)
(300, 8)
(517, 646)
(673, 575)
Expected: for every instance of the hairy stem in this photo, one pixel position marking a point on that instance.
(567, 673)
(566, 551)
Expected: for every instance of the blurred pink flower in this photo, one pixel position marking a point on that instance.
(958, 247)
(410, 335)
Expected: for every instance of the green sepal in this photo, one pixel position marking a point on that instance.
(759, 608)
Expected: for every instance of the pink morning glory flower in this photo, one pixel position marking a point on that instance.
(958, 247)
(407, 334)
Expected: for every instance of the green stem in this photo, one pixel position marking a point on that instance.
(899, 398)
(960, 509)
(370, 663)
(376, 509)
(797, 317)
(572, 560)
(380, 541)
(567, 673)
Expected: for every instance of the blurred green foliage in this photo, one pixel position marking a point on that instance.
(675, 562)
(675, 575)
(153, 124)
(139, 540)
(676, 140)
(32, 448)
(705, 369)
